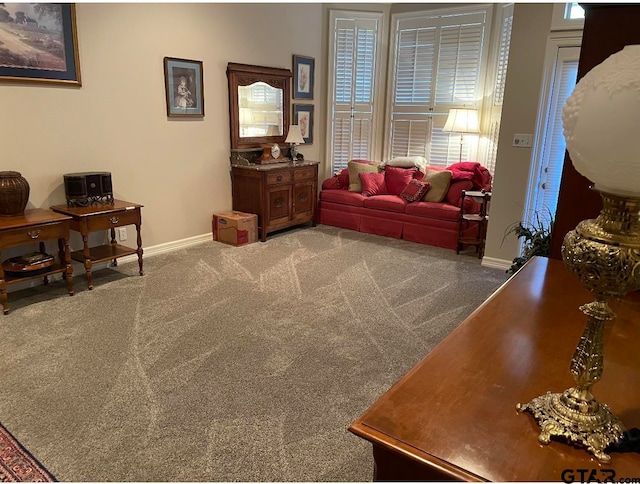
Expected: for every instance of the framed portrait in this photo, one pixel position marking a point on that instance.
(184, 87)
(303, 74)
(39, 43)
(303, 117)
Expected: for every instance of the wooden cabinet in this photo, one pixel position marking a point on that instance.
(282, 195)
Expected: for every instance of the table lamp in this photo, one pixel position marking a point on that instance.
(600, 121)
(294, 137)
(462, 121)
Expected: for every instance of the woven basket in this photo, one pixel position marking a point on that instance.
(14, 193)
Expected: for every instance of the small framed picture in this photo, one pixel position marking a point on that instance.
(303, 117)
(184, 87)
(303, 74)
(38, 43)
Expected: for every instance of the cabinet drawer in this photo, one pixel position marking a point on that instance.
(24, 235)
(279, 177)
(108, 220)
(304, 173)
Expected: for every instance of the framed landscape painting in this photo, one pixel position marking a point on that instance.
(38, 43)
(303, 117)
(183, 85)
(303, 74)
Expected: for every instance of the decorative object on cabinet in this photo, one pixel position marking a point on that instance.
(603, 253)
(536, 238)
(184, 86)
(83, 189)
(35, 226)
(282, 195)
(253, 126)
(462, 121)
(294, 138)
(479, 218)
(303, 77)
(14, 193)
(52, 28)
(102, 217)
(271, 154)
(303, 117)
(29, 264)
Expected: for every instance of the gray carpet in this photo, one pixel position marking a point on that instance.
(228, 363)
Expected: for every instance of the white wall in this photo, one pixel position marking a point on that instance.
(178, 169)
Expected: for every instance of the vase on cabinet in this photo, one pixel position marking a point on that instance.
(14, 193)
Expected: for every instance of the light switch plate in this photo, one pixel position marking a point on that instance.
(522, 140)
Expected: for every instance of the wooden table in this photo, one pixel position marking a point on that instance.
(102, 217)
(35, 225)
(453, 416)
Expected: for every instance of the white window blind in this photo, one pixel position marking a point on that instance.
(438, 64)
(353, 53)
(548, 183)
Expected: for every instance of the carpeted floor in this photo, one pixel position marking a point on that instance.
(228, 363)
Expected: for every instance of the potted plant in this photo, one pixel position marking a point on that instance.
(536, 238)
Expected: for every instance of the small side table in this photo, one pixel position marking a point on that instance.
(480, 219)
(102, 217)
(35, 225)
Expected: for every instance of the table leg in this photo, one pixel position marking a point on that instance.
(87, 260)
(65, 260)
(139, 251)
(3, 290)
(43, 251)
(114, 262)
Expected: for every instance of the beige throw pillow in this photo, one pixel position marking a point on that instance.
(440, 181)
(355, 185)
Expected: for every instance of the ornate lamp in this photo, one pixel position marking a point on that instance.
(600, 120)
(462, 121)
(294, 136)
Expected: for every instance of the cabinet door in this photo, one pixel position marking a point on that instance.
(303, 201)
(279, 205)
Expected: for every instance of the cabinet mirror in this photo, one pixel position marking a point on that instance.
(258, 105)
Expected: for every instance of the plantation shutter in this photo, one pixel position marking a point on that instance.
(498, 91)
(354, 55)
(438, 65)
(548, 184)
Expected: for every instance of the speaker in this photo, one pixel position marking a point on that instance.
(83, 189)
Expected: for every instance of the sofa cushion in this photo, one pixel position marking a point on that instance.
(442, 211)
(440, 181)
(343, 196)
(397, 178)
(343, 178)
(357, 167)
(390, 203)
(454, 194)
(331, 183)
(373, 184)
(415, 190)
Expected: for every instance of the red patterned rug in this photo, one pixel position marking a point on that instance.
(17, 464)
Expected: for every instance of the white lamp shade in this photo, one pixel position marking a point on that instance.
(294, 135)
(462, 121)
(601, 121)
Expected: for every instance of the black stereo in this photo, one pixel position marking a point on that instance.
(83, 189)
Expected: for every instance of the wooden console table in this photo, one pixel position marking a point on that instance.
(102, 217)
(453, 416)
(35, 225)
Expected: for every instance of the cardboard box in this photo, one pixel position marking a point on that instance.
(235, 228)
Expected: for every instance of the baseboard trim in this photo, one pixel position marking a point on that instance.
(78, 268)
(494, 263)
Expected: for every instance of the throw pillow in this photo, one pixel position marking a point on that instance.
(373, 184)
(415, 190)
(343, 178)
(440, 181)
(397, 179)
(355, 168)
(419, 162)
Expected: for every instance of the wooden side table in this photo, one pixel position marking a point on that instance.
(480, 219)
(35, 225)
(102, 217)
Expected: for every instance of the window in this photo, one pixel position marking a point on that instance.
(354, 58)
(438, 63)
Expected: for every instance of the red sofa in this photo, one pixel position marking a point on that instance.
(432, 223)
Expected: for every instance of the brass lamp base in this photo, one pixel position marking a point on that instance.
(587, 424)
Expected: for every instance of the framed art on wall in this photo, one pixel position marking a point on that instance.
(303, 117)
(183, 80)
(303, 76)
(38, 43)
